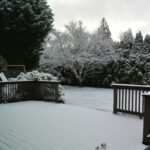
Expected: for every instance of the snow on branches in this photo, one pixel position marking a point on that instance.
(81, 52)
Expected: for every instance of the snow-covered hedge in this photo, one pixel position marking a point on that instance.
(38, 76)
(34, 76)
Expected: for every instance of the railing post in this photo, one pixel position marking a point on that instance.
(36, 90)
(115, 100)
(56, 91)
(1, 97)
(146, 126)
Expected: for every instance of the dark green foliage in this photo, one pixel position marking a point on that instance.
(128, 71)
(138, 43)
(24, 25)
(147, 43)
(126, 39)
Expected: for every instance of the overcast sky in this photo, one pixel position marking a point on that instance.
(120, 14)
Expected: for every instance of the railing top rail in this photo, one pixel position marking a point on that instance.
(16, 65)
(146, 94)
(130, 85)
(29, 81)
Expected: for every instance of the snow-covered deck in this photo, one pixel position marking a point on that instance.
(48, 126)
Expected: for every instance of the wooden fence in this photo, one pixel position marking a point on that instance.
(128, 98)
(29, 90)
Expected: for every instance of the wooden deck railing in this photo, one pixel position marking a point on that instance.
(128, 98)
(29, 90)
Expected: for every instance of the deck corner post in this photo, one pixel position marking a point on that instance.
(146, 122)
(115, 100)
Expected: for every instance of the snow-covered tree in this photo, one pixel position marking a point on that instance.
(126, 39)
(138, 43)
(103, 30)
(129, 70)
(24, 24)
(102, 42)
(147, 73)
(147, 43)
(72, 50)
(82, 55)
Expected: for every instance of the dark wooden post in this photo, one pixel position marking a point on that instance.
(31, 91)
(36, 90)
(56, 91)
(1, 96)
(115, 100)
(146, 129)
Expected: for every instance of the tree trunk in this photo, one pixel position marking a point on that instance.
(80, 82)
(78, 77)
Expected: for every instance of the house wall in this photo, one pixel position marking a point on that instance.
(13, 71)
(10, 70)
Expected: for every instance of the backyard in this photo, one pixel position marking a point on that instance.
(79, 124)
(97, 98)
(82, 45)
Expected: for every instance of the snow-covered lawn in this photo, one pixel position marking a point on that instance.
(97, 98)
(48, 126)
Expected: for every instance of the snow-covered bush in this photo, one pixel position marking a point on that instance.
(128, 70)
(39, 76)
(34, 76)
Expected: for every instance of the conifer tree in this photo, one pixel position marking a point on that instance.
(126, 39)
(24, 24)
(147, 43)
(102, 39)
(104, 29)
(138, 43)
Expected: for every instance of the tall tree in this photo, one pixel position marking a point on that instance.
(147, 43)
(102, 41)
(127, 39)
(23, 28)
(138, 43)
(74, 50)
(70, 50)
(104, 29)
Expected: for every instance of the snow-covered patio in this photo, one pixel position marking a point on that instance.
(48, 126)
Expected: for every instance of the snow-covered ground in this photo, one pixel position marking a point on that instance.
(48, 126)
(97, 98)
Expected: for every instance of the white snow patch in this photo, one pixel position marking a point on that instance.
(97, 98)
(3, 77)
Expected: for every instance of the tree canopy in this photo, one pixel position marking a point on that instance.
(24, 24)
(94, 59)
(76, 50)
